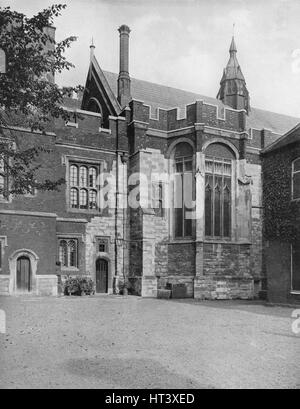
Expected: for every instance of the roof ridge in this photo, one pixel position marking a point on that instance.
(159, 84)
(201, 95)
(274, 112)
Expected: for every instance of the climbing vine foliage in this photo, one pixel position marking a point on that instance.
(281, 213)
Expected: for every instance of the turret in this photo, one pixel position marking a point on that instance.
(233, 90)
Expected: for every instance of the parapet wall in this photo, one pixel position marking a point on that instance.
(199, 112)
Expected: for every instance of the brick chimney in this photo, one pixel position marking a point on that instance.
(124, 94)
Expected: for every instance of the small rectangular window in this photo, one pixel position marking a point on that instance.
(102, 245)
(296, 179)
(158, 198)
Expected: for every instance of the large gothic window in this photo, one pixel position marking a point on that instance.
(183, 190)
(218, 190)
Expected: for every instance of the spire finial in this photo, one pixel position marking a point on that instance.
(92, 48)
(92, 43)
(233, 27)
(232, 48)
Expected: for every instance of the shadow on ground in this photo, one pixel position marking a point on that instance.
(130, 373)
(257, 307)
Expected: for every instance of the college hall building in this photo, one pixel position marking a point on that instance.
(211, 149)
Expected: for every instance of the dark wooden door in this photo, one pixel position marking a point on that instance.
(101, 276)
(23, 274)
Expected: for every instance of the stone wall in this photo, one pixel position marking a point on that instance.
(223, 288)
(46, 285)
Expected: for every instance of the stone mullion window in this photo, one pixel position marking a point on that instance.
(83, 186)
(158, 198)
(68, 253)
(218, 187)
(296, 179)
(183, 169)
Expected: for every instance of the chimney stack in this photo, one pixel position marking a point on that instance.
(124, 94)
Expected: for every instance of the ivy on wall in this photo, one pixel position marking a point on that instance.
(281, 215)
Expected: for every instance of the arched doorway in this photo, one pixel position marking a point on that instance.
(23, 274)
(101, 275)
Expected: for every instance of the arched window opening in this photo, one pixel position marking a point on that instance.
(94, 106)
(93, 199)
(83, 199)
(183, 189)
(63, 253)
(74, 198)
(92, 177)
(73, 175)
(83, 176)
(218, 181)
(72, 253)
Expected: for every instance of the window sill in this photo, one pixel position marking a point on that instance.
(85, 211)
(294, 292)
(179, 240)
(69, 270)
(224, 241)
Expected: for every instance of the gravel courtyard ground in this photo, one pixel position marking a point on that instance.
(130, 342)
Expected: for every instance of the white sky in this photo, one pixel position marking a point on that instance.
(184, 43)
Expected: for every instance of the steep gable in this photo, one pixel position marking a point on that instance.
(98, 95)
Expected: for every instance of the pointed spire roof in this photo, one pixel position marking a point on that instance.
(232, 48)
(233, 69)
(233, 90)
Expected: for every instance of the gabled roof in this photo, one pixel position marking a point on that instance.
(291, 137)
(102, 85)
(165, 97)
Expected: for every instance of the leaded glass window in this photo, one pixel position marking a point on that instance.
(218, 191)
(68, 252)
(183, 189)
(83, 186)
